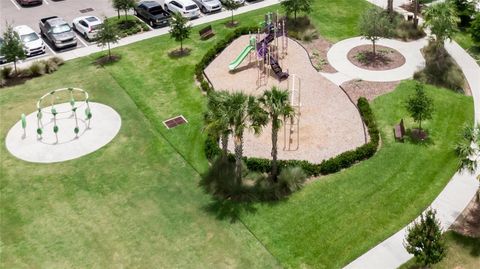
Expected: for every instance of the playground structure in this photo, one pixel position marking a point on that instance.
(267, 51)
(56, 113)
(291, 126)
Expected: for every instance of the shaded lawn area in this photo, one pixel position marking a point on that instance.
(339, 217)
(464, 39)
(132, 204)
(462, 252)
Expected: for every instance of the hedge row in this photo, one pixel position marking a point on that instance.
(326, 167)
(215, 50)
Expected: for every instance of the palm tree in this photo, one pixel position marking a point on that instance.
(245, 113)
(277, 105)
(217, 117)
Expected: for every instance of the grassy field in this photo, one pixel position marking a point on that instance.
(136, 203)
(465, 40)
(462, 252)
(337, 218)
(133, 204)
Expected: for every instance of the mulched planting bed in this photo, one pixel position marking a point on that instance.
(317, 50)
(385, 58)
(368, 89)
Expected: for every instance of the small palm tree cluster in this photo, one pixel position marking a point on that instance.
(468, 150)
(231, 114)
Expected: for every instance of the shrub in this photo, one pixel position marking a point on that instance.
(309, 35)
(7, 72)
(440, 69)
(50, 66)
(37, 69)
(59, 61)
(406, 30)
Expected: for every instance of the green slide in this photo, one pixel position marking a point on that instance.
(240, 57)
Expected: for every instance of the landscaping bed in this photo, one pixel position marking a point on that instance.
(385, 58)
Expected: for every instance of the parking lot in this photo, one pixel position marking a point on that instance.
(15, 15)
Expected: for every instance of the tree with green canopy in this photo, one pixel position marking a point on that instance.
(375, 24)
(12, 47)
(179, 29)
(420, 105)
(107, 35)
(296, 6)
(231, 5)
(424, 239)
(276, 103)
(442, 20)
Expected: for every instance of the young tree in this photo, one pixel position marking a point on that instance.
(127, 5)
(424, 239)
(296, 6)
(278, 107)
(217, 117)
(179, 29)
(246, 114)
(231, 5)
(375, 24)
(12, 47)
(420, 105)
(468, 150)
(442, 20)
(107, 34)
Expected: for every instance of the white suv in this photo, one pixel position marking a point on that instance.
(32, 43)
(187, 8)
(88, 26)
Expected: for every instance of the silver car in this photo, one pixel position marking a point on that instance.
(209, 6)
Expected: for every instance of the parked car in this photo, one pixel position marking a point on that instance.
(2, 57)
(32, 43)
(58, 32)
(241, 2)
(153, 13)
(30, 2)
(208, 6)
(187, 8)
(87, 26)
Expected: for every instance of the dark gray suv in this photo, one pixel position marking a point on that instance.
(153, 13)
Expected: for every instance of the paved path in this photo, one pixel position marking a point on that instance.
(454, 197)
(337, 57)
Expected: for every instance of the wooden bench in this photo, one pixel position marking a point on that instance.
(399, 131)
(206, 32)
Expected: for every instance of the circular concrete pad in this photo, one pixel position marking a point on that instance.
(104, 126)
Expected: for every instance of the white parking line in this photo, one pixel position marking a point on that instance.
(81, 40)
(15, 4)
(46, 2)
(54, 53)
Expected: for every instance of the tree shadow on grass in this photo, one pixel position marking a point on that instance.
(413, 137)
(178, 53)
(470, 244)
(105, 60)
(228, 209)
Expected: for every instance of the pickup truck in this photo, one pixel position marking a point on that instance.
(58, 32)
(153, 13)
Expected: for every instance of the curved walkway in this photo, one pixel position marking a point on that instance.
(461, 188)
(337, 57)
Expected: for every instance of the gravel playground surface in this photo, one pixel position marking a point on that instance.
(329, 123)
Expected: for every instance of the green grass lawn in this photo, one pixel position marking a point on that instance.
(337, 218)
(462, 252)
(136, 203)
(464, 39)
(133, 204)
